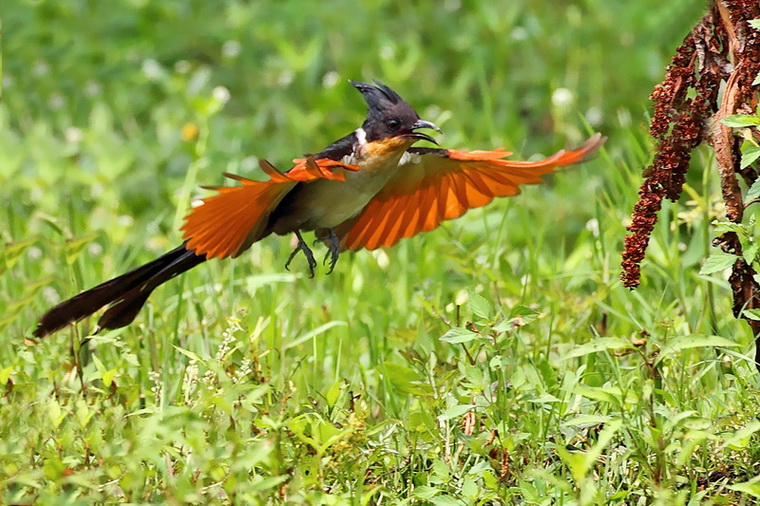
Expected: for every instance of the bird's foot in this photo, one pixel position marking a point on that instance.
(301, 246)
(333, 250)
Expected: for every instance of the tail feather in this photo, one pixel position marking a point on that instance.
(128, 305)
(127, 292)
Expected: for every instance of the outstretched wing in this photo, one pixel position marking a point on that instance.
(226, 224)
(434, 185)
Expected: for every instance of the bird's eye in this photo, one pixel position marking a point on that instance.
(393, 124)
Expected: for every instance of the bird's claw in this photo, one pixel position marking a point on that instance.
(301, 246)
(333, 250)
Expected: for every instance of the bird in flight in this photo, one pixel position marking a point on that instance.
(369, 189)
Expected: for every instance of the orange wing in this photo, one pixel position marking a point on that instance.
(226, 224)
(439, 184)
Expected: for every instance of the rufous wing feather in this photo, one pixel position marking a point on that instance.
(226, 224)
(435, 185)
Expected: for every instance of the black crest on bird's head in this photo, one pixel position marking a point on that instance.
(387, 113)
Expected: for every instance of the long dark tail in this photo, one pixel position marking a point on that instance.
(126, 294)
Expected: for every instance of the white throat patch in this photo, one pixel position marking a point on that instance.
(361, 136)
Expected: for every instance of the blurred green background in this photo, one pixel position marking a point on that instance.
(96, 93)
(241, 382)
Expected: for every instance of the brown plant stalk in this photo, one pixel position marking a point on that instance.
(721, 48)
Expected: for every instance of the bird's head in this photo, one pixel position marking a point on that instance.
(390, 117)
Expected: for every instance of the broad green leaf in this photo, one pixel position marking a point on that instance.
(445, 500)
(527, 314)
(404, 379)
(575, 462)
(718, 261)
(741, 120)
(5, 375)
(333, 393)
(727, 226)
(55, 413)
(478, 468)
(580, 463)
(754, 190)
(425, 492)
(268, 483)
(479, 305)
(612, 395)
(456, 411)
(421, 421)
(751, 487)
(693, 341)
(519, 317)
(740, 438)
(605, 436)
(749, 156)
(108, 376)
(458, 335)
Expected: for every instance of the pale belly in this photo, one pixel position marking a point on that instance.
(326, 203)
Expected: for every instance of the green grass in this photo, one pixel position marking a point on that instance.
(243, 383)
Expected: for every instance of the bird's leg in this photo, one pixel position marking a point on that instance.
(333, 249)
(301, 246)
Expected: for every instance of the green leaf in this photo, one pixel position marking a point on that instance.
(310, 335)
(600, 344)
(749, 156)
(404, 379)
(580, 463)
(718, 261)
(750, 252)
(519, 317)
(458, 335)
(753, 192)
(55, 413)
(751, 487)
(108, 376)
(727, 226)
(5, 375)
(613, 395)
(526, 314)
(693, 341)
(605, 436)
(333, 393)
(479, 305)
(189, 354)
(740, 438)
(425, 492)
(13, 251)
(456, 411)
(75, 246)
(741, 120)
(445, 500)
(751, 314)
(575, 462)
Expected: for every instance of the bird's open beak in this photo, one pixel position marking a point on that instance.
(421, 123)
